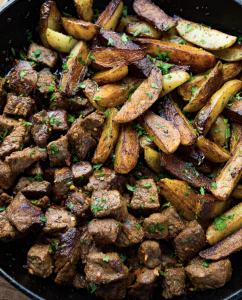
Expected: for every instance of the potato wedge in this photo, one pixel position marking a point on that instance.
(152, 159)
(237, 192)
(206, 167)
(231, 70)
(110, 17)
(209, 113)
(187, 89)
(50, 17)
(59, 41)
(191, 154)
(142, 99)
(236, 133)
(125, 21)
(217, 231)
(230, 175)
(220, 131)
(184, 171)
(108, 138)
(233, 53)
(84, 9)
(203, 36)
(112, 75)
(89, 91)
(144, 142)
(143, 29)
(79, 29)
(154, 15)
(126, 150)
(224, 248)
(212, 151)
(198, 60)
(174, 37)
(206, 90)
(233, 111)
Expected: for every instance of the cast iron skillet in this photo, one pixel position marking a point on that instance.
(18, 18)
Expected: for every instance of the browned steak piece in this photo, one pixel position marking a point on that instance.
(149, 254)
(93, 124)
(79, 282)
(46, 82)
(174, 283)
(34, 169)
(81, 170)
(33, 189)
(41, 129)
(8, 232)
(63, 183)
(60, 102)
(175, 223)
(43, 202)
(77, 203)
(5, 200)
(7, 177)
(23, 82)
(42, 55)
(59, 120)
(156, 226)
(115, 290)
(59, 153)
(19, 106)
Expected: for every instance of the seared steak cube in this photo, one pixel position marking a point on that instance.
(145, 173)
(7, 124)
(59, 120)
(24, 65)
(79, 282)
(93, 124)
(156, 226)
(2, 95)
(80, 140)
(59, 101)
(50, 173)
(149, 254)
(168, 261)
(7, 177)
(34, 169)
(175, 224)
(41, 129)
(22, 214)
(46, 83)
(115, 290)
(42, 55)
(23, 82)
(39, 261)
(66, 275)
(131, 233)
(58, 152)
(58, 221)
(7, 231)
(43, 202)
(5, 200)
(104, 231)
(145, 198)
(86, 242)
(190, 241)
(86, 110)
(81, 170)
(105, 268)
(174, 282)
(63, 183)
(78, 204)
(19, 106)
(33, 188)
(212, 275)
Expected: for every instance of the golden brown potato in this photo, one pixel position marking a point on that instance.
(50, 17)
(110, 17)
(198, 60)
(79, 29)
(201, 96)
(231, 70)
(191, 154)
(170, 111)
(237, 192)
(142, 99)
(236, 133)
(187, 89)
(89, 91)
(125, 21)
(206, 167)
(144, 142)
(152, 159)
(233, 111)
(112, 75)
(108, 138)
(174, 37)
(143, 29)
(233, 53)
(220, 131)
(212, 151)
(59, 41)
(84, 9)
(154, 15)
(126, 150)
(209, 113)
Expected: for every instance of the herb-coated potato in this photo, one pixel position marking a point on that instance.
(146, 141)
(84, 9)
(173, 37)
(90, 91)
(143, 29)
(152, 159)
(237, 192)
(233, 111)
(236, 133)
(112, 75)
(187, 89)
(125, 21)
(59, 41)
(220, 131)
(231, 70)
(233, 53)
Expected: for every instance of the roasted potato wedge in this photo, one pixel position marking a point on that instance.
(191, 154)
(110, 17)
(126, 150)
(206, 167)
(233, 53)
(217, 231)
(59, 41)
(125, 21)
(233, 111)
(209, 113)
(143, 29)
(236, 133)
(154, 15)
(199, 60)
(89, 91)
(186, 90)
(220, 131)
(50, 17)
(212, 151)
(204, 36)
(84, 9)
(108, 138)
(173, 37)
(79, 29)
(145, 95)
(152, 159)
(206, 90)
(145, 141)
(237, 192)
(231, 70)
(112, 75)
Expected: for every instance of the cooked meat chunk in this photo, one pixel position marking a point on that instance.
(7, 231)
(66, 275)
(175, 224)
(190, 241)
(90, 88)
(24, 65)
(39, 261)
(7, 124)
(23, 82)
(81, 170)
(212, 275)
(108, 204)
(32, 188)
(105, 268)
(77, 203)
(2, 95)
(41, 129)
(5, 200)
(50, 174)
(86, 110)
(168, 261)
(19, 106)
(156, 226)
(43, 202)
(106, 179)
(174, 282)
(60, 102)
(34, 169)
(149, 254)
(145, 198)
(7, 177)
(46, 83)
(63, 183)
(20, 160)
(59, 120)
(42, 55)
(131, 233)
(81, 141)
(58, 220)
(145, 173)
(115, 290)
(86, 242)
(22, 214)
(58, 152)
(79, 282)
(93, 124)
(104, 231)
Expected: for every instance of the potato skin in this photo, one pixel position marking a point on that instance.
(217, 132)
(152, 159)
(185, 90)
(125, 21)
(127, 150)
(236, 133)
(59, 41)
(152, 33)
(84, 9)
(112, 75)
(234, 112)
(231, 70)
(89, 91)
(233, 53)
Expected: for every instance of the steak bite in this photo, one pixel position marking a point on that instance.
(77, 203)
(63, 183)
(61, 102)
(7, 124)
(7, 177)
(39, 261)
(19, 106)
(81, 170)
(41, 129)
(156, 226)
(149, 254)
(33, 188)
(5, 200)
(212, 275)
(22, 214)
(66, 275)
(7, 231)
(34, 169)
(93, 124)
(79, 282)
(105, 268)
(58, 152)
(175, 224)
(43, 202)
(190, 241)
(86, 243)
(46, 83)
(42, 55)
(145, 198)
(58, 120)
(2, 95)
(174, 283)
(23, 82)
(113, 290)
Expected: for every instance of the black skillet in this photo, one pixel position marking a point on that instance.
(18, 18)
